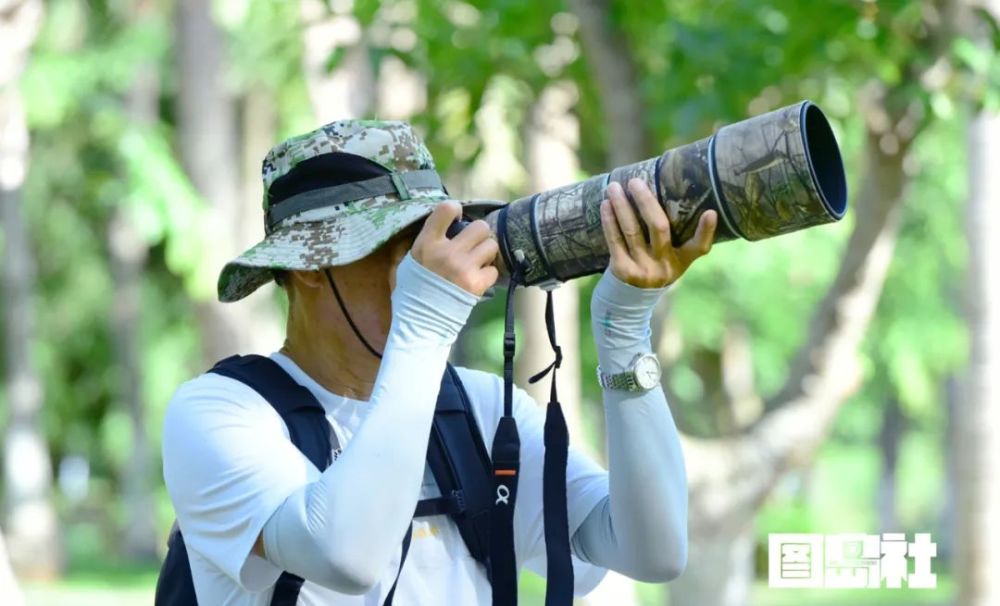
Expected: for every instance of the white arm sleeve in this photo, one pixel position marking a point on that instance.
(345, 542)
(233, 474)
(640, 529)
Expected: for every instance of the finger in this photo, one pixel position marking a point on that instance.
(472, 235)
(613, 235)
(436, 225)
(485, 252)
(652, 215)
(488, 276)
(701, 242)
(628, 223)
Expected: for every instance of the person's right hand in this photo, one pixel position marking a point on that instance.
(467, 259)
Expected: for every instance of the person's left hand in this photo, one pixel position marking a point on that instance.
(657, 263)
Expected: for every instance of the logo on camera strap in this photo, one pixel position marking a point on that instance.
(503, 495)
(503, 491)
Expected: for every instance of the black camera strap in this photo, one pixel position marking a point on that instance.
(506, 465)
(506, 456)
(559, 569)
(343, 309)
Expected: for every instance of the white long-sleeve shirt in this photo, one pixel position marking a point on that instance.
(232, 473)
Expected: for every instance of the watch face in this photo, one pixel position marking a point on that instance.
(647, 372)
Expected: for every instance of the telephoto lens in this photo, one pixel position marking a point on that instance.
(769, 175)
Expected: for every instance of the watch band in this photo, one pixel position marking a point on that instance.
(626, 380)
(620, 380)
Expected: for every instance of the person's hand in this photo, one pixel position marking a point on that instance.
(467, 259)
(657, 263)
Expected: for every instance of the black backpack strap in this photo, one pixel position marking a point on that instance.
(174, 586)
(457, 456)
(308, 430)
(407, 538)
(307, 425)
(304, 416)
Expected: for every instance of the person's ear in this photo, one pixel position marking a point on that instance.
(401, 243)
(398, 247)
(309, 280)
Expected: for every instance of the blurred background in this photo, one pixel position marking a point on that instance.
(839, 379)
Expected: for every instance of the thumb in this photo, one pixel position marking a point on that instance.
(701, 242)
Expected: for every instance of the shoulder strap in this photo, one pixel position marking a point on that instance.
(308, 430)
(304, 416)
(457, 456)
(174, 586)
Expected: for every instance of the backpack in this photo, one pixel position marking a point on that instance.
(456, 455)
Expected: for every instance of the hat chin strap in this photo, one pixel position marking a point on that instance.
(343, 308)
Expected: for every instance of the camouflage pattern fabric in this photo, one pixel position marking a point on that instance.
(341, 234)
(767, 178)
(757, 174)
(687, 191)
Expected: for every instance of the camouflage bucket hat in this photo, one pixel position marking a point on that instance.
(325, 225)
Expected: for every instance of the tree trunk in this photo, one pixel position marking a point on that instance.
(128, 254)
(977, 449)
(606, 51)
(729, 478)
(208, 141)
(720, 570)
(347, 91)
(889, 438)
(32, 526)
(260, 123)
(127, 258)
(947, 523)
(10, 593)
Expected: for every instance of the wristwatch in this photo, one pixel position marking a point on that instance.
(643, 374)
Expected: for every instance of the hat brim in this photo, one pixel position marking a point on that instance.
(328, 242)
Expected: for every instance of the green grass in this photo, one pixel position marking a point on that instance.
(70, 594)
(125, 585)
(93, 583)
(940, 596)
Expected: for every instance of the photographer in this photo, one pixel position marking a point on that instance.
(377, 296)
